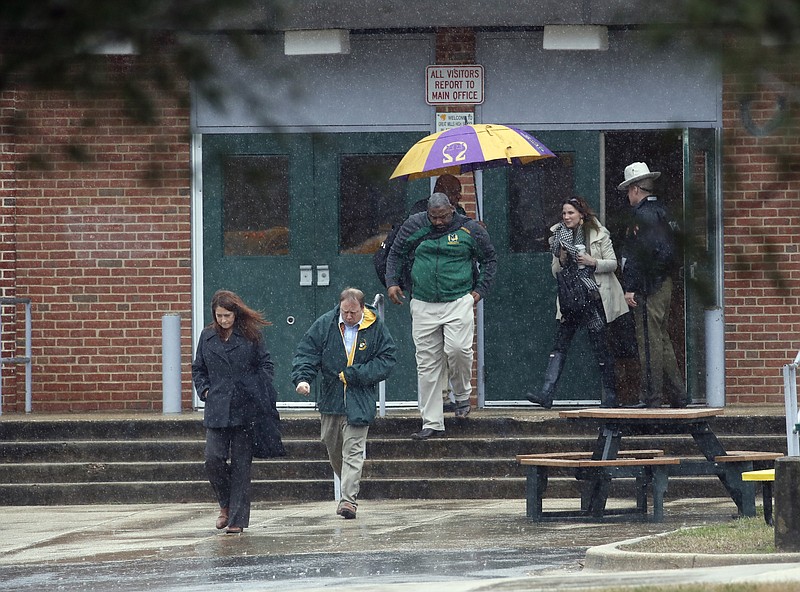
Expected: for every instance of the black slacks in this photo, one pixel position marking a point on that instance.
(231, 481)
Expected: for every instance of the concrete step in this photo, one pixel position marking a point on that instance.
(305, 425)
(193, 491)
(451, 447)
(150, 458)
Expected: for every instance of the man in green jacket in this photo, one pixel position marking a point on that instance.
(442, 247)
(353, 350)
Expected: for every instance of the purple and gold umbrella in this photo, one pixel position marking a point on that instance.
(468, 148)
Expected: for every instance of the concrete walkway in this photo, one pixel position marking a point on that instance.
(452, 545)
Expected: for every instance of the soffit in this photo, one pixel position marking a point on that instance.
(416, 14)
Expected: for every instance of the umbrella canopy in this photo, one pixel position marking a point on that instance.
(467, 148)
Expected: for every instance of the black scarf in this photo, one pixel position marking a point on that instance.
(565, 237)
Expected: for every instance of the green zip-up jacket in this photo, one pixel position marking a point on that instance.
(322, 351)
(442, 262)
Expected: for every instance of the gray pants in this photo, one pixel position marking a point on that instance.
(346, 444)
(231, 482)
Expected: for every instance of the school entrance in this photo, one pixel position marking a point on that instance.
(289, 220)
(521, 205)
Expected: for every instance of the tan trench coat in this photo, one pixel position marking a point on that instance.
(611, 294)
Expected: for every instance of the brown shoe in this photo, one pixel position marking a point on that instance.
(234, 530)
(346, 510)
(222, 519)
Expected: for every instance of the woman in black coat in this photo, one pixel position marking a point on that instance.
(232, 373)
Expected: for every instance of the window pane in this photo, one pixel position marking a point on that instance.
(256, 205)
(535, 193)
(369, 202)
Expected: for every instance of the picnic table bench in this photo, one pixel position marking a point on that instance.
(648, 467)
(766, 476)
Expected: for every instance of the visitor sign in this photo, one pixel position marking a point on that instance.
(447, 85)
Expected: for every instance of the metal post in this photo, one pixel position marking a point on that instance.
(715, 357)
(786, 516)
(790, 399)
(29, 363)
(15, 360)
(1, 363)
(171, 363)
(378, 304)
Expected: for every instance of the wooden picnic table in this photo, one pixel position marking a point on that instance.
(618, 423)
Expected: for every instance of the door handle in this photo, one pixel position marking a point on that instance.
(306, 275)
(323, 275)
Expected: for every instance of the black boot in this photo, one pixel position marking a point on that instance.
(554, 367)
(605, 362)
(608, 398)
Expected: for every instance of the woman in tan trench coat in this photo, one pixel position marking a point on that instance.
(580, 240)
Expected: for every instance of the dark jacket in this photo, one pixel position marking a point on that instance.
(238, 376)
(649, 248)
(322, 351)
(442, 268)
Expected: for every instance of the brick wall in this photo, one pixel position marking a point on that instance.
(8, 336)
(103, 246)
(761, 202)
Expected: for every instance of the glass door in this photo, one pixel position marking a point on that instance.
(700, 237)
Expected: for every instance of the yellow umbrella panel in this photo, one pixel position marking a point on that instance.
(467, 148)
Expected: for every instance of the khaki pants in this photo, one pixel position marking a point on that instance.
(346, 444)
(442, 333)
(662, 361)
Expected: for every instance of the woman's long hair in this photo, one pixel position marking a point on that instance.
(589, 218)
(247, 320)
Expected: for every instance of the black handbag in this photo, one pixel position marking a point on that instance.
(573, 294)
(264, 428)
(265, 436)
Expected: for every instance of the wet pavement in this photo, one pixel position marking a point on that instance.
(393, 545)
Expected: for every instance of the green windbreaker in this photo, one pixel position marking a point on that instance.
(321, 350)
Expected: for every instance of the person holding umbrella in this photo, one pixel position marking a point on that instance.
(450, 186)
(455, 151)
(441, 246)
